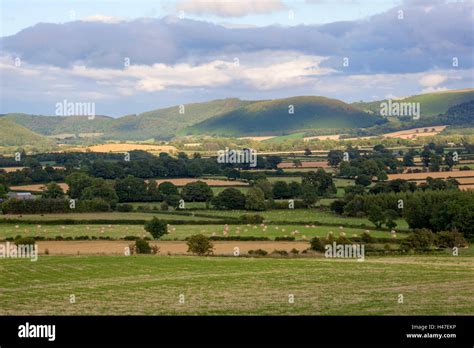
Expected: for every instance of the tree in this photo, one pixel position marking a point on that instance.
(197, 191)
(307, 152)
(297, 163)
(335, 157)
(363, 180)
(195, 169)
(281, 190)
(435, 162)
(167, 188)
(156, 227)
(230, 198)
(390, 217)
(200, 244)
(321, 181)
(255, 199)
(100, 189)
(266, 187)
(52, 191)
(77, 183)
(309, 195)
(3, 190)
(131, 189)
(294, 189)
(376, 215)
(409, 158)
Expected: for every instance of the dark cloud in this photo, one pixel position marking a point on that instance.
(427, 37)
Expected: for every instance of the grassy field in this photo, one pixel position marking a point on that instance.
(179, 232)
(103, 216)
(152, 285)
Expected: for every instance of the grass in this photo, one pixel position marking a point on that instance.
(152, 285)
(179, 232)
(305, 215)
(102, 216)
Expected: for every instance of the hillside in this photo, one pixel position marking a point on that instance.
(12, 134)
(158, 124)
(272, 117)
(431, 104)
(165, 123)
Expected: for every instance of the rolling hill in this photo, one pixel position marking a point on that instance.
(431, 104)
(272, 117)
(158, 124)
(12, 134)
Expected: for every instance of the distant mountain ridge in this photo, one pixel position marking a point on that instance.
(231, 117)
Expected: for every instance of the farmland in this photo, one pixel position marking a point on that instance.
(151, 285)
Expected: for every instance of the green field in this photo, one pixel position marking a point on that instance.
(180, 232)
(152, 285)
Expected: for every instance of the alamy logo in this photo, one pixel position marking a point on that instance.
(37, 331)
(66, 108)
(245, 156)
(26, 251)
(393, 108)
(345, 251)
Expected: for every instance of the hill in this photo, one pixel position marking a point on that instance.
(12, 134)
(272, 117)
(431, 104)
(158, 124)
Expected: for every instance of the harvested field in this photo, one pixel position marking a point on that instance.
(37, 187)
(423, 176)
(128, 147)
(416, 132)
(166, 247)
(258, 138)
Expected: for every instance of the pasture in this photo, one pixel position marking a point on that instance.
(187, 285)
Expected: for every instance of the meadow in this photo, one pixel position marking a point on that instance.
(180, 232)
(187, 285)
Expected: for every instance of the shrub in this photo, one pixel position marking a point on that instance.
(294, 251)
(420, 239)
(317, 244)
(124, 208)
(199, 244)
(450, 239)
(338, 206)
(367, 238)
(284, 238)
(142, 247)
(280, 252)
(258, 252)
(25, 241)
(343, 240)
(251, 219)
(164, 206)
(156, 227)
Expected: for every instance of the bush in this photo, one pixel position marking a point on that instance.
(284, 238)
(420, 240)
(258, 252)
(367, 238)
(25, 241)
(343, 240)
(199, 244)
(251, 219)
(450, 239)
(142, 247)
(317, 244)
(338, 206)
(164, 206)
(124, 208)
(294, 251)
(280, 252)
(156, 227)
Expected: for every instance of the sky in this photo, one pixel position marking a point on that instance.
(129, 57)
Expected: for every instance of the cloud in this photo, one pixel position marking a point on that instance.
(432, 80)
(103, 19)
(226, 8)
